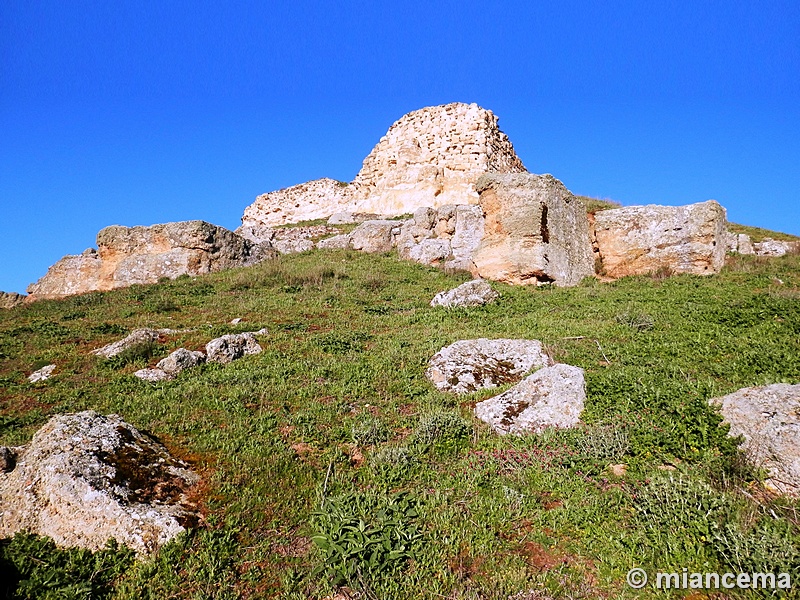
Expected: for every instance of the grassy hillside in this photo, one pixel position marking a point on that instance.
(330, 460)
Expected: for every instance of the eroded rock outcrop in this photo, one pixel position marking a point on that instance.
(130, 255)
(636, 240)
(535, 231)
(11, 299)
(552, 397)
(768, 418)
(85, 478)
(429, 157)
(470, 365)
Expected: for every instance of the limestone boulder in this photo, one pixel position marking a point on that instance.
(138, 337)
(231, 347)
(11, 299)
(637, 240)
(470, 365)
(131, 255)
(152, 375)
(467, 235)
(291, 246)
(768, 419)
(180, 360)
(42, 374)
(472, 293)
(535, 231)
(552, 397)
(374, 236)
(85, 478)
(336, 242)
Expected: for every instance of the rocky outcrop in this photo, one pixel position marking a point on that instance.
(130, 255)
(472, 293)
(85, 478)
(429, 157)
(768, 419)
(11, 299)
(552, 397)
(636, 240)
(470, 365)
(535, 231)
(42, 374)
(231, 347)
(317, 199)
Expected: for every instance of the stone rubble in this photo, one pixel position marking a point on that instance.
(470, 365)
(552, 397)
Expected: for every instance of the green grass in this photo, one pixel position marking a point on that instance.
(594, 205)
(334, 434)
(757, 234)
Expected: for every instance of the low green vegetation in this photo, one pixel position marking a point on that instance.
(757, 234)
(329, 460)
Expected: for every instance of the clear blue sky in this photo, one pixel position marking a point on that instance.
(133, 113)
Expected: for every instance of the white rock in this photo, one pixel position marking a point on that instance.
(85, 478)
(137, 337)
(472, 293)
(551, 397)
(768, 418)
(152, 375)
(470, 365)
(231, 347)
(42, 374)
(179, 360)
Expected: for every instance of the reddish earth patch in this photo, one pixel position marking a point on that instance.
(541, 559)
(465, 566)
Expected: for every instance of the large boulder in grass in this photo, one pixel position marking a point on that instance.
(636, 240)
(535, 231)
(374, 236)
(470, 365)
(227, 348)
(768, 419)
(138, 337)
(131, 255)
(472, 293)
(85, 478)
(553, 397)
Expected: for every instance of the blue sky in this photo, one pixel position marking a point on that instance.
(143, 112)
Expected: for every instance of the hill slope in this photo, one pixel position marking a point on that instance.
(334, 435)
